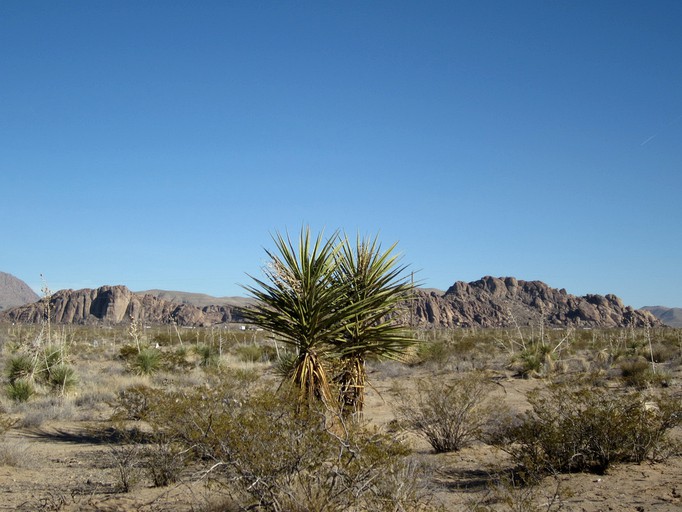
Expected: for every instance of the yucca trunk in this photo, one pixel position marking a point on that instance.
(309, 378)
(351, 381)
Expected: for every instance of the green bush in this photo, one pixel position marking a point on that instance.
(256, 353)
(128, 352)
(582, 429)
(437, 351)
(273, 455)
(134, 403)
(636, 372)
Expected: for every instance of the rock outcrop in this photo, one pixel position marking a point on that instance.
(488, 302)
(508, 302)
(117, 304)
(14, 292)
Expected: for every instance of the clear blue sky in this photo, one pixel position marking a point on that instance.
(158, 144)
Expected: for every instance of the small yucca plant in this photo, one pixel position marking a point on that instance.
(147, 362)
(20, 367)
(62, 378)
(20, 390)
(208, 355)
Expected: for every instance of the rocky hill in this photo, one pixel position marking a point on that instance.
(671, 317)
(14, 292)
(507, 302)
(117, 304)
(488, 302)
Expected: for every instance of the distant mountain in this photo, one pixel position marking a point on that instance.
(488, 302)
(195, 299)
(14, 292)
(669, 316)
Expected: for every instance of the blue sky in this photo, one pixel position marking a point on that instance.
(159, 144)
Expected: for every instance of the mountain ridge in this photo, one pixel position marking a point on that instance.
(488, 302)
(195, 299)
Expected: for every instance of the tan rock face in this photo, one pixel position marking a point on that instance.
(117, 304)
(488, 302)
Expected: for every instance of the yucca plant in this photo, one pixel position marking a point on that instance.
(298, 302)
(147, 362)
(62, 378)
(20, 366)
(20, 390)
(374, 280)
(331, 301)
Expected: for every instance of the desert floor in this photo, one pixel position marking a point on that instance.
(59, 454)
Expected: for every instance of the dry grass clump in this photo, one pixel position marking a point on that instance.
(43, 410)
(15, 453)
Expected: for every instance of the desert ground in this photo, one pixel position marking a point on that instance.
(64, 449)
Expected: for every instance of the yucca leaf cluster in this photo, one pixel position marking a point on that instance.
(333, 301)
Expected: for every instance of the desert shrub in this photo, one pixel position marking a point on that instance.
(5, 424)
(134, 403)
(127, 460)
(92, 401)
(437, 352)
(660, 352)
(448, 414)
(245, 378)
(176, 359)
(165, 338)
(272, 455)
(515, 495)
(11, 453)
(164, 461)
(128, 352)
(255, 353)
(636, 372)
(14, 454)
(575, 428)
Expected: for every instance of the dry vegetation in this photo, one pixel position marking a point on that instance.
(156, 418)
